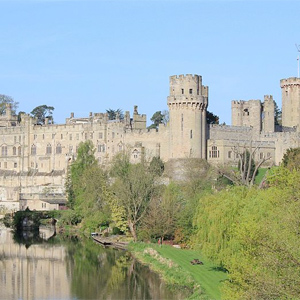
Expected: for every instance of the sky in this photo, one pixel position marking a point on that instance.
(86, 56)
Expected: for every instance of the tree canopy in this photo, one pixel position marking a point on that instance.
(4, 99)
(42, 112)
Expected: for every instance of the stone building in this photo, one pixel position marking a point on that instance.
(34, 158)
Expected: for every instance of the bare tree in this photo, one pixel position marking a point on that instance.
(247, 167)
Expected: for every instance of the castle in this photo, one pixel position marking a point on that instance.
(34, 158)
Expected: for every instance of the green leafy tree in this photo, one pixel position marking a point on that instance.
(291, 159)
(42, 112)
(134, 188)
(212, 118)
(278, 115)
(159, 117)
(4, 100)
(87, 188)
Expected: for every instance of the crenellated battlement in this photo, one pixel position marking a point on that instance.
(289, 81)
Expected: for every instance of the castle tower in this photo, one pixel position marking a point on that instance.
(290, 95)
(187, 103)
(246, 113)
(268, 114)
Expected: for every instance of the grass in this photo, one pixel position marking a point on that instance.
(260, 175)
(205, 280)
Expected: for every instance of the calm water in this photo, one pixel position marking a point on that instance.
(46, 266)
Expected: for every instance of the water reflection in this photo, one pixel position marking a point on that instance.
(46, 266)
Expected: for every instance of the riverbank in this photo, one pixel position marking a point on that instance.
(203, 281)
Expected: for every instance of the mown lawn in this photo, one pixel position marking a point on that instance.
(208, 276)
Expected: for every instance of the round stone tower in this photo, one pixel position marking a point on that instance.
(290, 95)
(187, 103)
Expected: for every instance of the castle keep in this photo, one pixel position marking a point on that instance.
(34, 158)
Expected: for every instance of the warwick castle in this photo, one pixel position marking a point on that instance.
(34, 158)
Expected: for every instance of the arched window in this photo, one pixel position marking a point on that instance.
(48, 149)
(14, 151)
(135, 153)
(33, 149)
(19, 150)
(4, 150)
(58, 148)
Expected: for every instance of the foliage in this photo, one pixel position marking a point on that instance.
(278, 115)
(156, 166)
(114, 114)
(4, 99)
(254, 234)
(42, 112)
(159, 117)
(211, 118)
(291, 159)
(162, 215)
(87, 189)
(134, 188)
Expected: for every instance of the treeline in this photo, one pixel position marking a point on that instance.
(130, 198)
(252, 233)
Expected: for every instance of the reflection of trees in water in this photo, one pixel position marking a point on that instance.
(99, 273)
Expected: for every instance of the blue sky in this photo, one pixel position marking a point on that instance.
(88, 56)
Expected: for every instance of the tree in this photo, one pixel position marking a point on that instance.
(113, 114)
(211, 118)
(291, 159)
(87, 188)
(159, 118)
(4, 99)
(278, 115)
(42, 112)
(247, 167)
(134, 188)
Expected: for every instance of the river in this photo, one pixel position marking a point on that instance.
(47, 266)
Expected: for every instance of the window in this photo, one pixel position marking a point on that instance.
(58, 148)
(181, 122)
(5, 165)
(4, 150)
(19, 150)
(34, 137)
(61, 136)
(53, 135)
(77, 136)
(261, 155)
(91, 135)
(229, 154)
(100, 135)
(70, 149)
(14, 151)
(135, 153)
(15, 139)
(70, 137)
(214, 152)
(268, 154)
(182, 91)
(191, 134)
(49, 149)
(33, 150)
(15, 165)
(101, 148)
(191, 91)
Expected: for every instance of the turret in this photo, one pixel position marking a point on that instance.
(187, 103)
(290, 93)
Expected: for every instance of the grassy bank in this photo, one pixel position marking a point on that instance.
(174, 266)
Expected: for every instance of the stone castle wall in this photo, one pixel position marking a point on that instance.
(34, 158)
